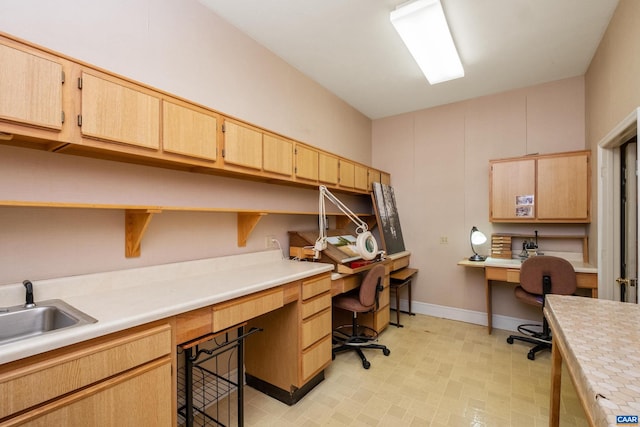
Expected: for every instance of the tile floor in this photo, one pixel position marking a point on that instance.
(440, 373)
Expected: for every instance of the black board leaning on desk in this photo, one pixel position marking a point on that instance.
(384, 203)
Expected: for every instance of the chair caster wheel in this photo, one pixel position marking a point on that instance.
(386, 352)
(531, 356)
(510, 340)
(366, 364)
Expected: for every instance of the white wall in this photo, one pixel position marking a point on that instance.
(180, 47)
(439, 162)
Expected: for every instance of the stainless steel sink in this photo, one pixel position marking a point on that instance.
(18, 322)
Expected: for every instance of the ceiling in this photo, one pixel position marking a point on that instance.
(351, 48)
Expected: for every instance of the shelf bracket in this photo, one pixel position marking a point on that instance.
(135, 225)
(246, 223)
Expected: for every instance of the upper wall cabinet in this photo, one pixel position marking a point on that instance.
(188, 131)
(306, 163)
(277, 155)
(551, 188)
(360, 177)
(563, 187)
(242, 145)
(117, 111)
(347, 174)
(30, 88)
(55, 103)
(328, 167)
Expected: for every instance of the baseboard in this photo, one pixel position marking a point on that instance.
(476, 317)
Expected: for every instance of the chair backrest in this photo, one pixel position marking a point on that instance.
(559, 270)
(369, 286)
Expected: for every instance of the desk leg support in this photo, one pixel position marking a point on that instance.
(556, 381)
(487, 287)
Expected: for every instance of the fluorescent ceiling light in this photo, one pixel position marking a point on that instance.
(423, 28)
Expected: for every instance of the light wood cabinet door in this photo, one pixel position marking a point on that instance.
(117, 111)
(551, 188)
(347, 171)
(509, 182)
(30, 88)
(278, 155)
(385, 178)
(328, 167)
(563, 187)
(373, 176)
(360, 178)
(242, 146)
(306, 163)
(188, 132)
(141, 397)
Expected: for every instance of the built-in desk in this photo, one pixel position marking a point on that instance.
(508, 270)
(598, 340)
(186, 300)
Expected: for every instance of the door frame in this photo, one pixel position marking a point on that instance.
(609, 203)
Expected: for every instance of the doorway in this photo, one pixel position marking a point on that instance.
(627, 282)
(617, 247)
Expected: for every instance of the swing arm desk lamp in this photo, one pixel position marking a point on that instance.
(366, 244)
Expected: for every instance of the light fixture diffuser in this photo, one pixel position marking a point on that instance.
(424, 30)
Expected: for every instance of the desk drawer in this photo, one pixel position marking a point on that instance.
(316, 358)
(511, 275)
(315, 328)
(193, 324)
(311, 288)
(241, 309)
(316, 305)
(400, 263)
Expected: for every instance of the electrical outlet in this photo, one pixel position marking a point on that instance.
(270, 242)
(444, 240)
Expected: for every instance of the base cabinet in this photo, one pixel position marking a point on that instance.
(123, 400)
(101, 382)
(277, 366)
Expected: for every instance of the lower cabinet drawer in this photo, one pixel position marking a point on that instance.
(316, 305)
(311, 288)
(35, 380)
(315, 328)
(383, 297)
(140, 397)
(316, 358)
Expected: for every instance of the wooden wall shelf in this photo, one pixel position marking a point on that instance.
(138, 217)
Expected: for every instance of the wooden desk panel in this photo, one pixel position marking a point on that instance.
(512, 275)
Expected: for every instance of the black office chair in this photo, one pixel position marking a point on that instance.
(362, 300)
(540, 276)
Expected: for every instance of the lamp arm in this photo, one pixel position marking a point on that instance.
(321, 242)
(324, 192)
(471, 241)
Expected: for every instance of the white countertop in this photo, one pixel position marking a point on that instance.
(127, 298)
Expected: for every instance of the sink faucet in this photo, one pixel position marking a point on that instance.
(29, 299)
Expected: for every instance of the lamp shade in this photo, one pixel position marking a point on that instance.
(476, 237)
